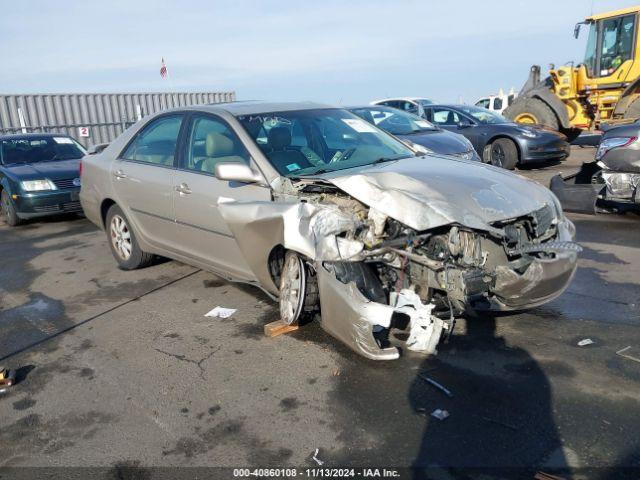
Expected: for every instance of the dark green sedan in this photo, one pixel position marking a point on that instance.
(39, 176)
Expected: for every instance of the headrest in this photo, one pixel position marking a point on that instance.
(218, 145)
(279, 138)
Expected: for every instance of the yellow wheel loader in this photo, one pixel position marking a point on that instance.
(603, 89)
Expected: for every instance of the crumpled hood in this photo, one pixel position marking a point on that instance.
(54, 170)
(424, 192)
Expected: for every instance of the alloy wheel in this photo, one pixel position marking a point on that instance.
(497, 155)
(121, 237)
(292, 290)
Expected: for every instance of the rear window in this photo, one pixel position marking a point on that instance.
(39, 149)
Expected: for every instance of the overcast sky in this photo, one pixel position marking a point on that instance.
(335, 51)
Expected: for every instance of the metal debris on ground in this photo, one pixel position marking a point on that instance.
(622, 353)
(440, 387)
(584, 342)
(315, 457)
(220, 312)
(440, 414)
(7, 378)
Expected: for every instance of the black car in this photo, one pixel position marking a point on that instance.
(611, 182)
(39, 176)
(497, 140)
(416, 131)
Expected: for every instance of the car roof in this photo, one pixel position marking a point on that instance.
(251, 107)
(25, 136)
(414, 99)
(355, 107)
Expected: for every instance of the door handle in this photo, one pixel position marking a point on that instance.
(120, 174)
(183, 189)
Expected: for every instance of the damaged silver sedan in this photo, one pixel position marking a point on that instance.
(330, 215)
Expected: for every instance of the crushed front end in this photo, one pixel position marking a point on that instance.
(384, 277)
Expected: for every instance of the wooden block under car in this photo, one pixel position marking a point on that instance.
(278, 327)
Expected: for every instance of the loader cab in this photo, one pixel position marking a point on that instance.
(611, 45)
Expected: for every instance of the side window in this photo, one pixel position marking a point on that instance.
(392, 104)
(156, 143)
(484, 103)
(212, 141)
(444, 116)
(409, 107)
(497, 103)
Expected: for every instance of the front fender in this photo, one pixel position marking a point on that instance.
(8, 184)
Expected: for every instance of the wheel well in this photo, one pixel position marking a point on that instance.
(104, 208)
(276, 263)
(493, 139)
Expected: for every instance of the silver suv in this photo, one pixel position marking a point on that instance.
(329, 214)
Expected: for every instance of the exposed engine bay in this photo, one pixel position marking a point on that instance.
(389, 254)
(421, 280)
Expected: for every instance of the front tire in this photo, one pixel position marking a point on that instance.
(123, 243)
(299, 297)
(503, 153)
(8, 210)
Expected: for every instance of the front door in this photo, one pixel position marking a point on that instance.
(202, 231)
(142, 178)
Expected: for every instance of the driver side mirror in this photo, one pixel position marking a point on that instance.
(464, 123)
(237, 172)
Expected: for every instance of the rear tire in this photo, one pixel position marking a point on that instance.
(123, 243)
(503, 153)
(532, 111)
(8, 210)
(299, 297)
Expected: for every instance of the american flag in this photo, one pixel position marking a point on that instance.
(163, 69)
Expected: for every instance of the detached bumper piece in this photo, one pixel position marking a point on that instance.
(593, 190)
(354, 310)
(578, 192)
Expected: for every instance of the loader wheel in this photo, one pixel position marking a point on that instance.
(503, 153)
(532, 111)
(633, 110)
(299, 298)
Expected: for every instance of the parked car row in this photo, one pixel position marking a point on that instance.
(327, 213)
(496, 140)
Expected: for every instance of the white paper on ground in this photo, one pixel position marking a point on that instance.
(220, 312)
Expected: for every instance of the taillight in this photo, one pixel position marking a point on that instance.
(611, 143)
(80, 171)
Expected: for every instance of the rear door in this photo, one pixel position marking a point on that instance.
(142, 179)
(202, 232)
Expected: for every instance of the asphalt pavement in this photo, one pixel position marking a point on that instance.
(122, 369)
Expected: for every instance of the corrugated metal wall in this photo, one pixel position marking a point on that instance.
(106, 115)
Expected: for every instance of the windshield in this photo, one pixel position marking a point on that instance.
(483, 115)
(394, 121)
(39, 149)
(308, 142)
